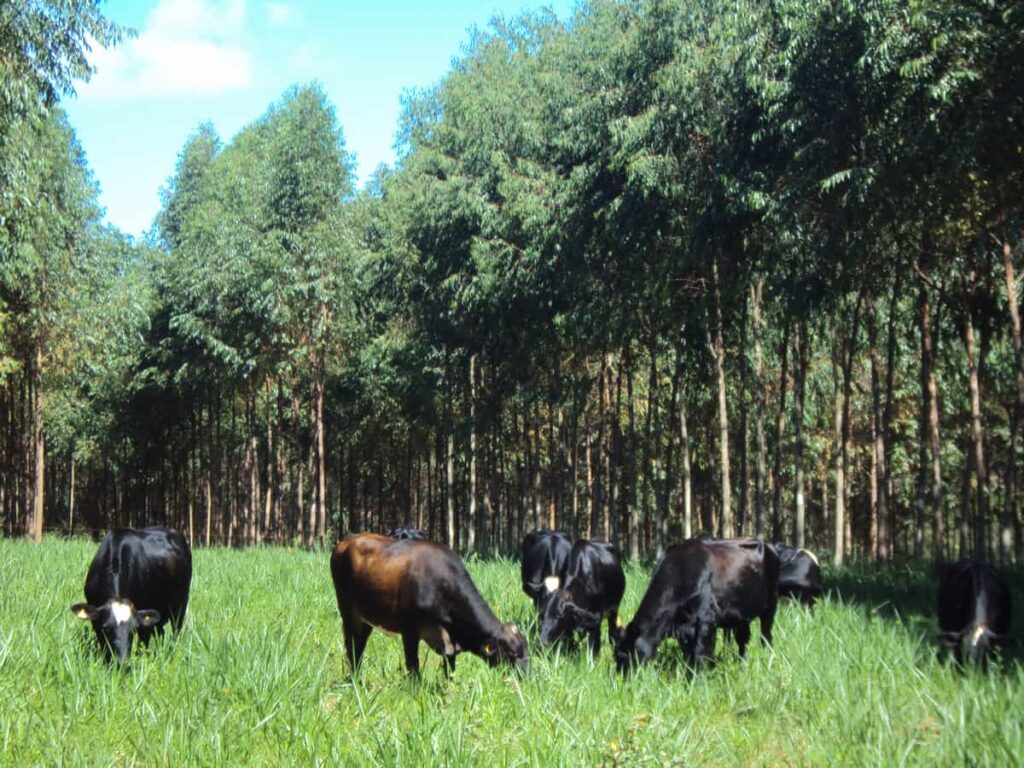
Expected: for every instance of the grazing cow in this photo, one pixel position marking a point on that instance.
(799, 574)
(422, 591)
(974, 610)
(696, 587)
(544, 564)
(137, 583)
(593, 589)
(407, 531)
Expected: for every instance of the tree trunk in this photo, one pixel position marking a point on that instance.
(756, 292)
(800, 369)
(474, 507)
(977, 429)
(780, 430)
(684, 446)
(1009, 548)
(723, 413)
(878, 538)
(38, 443)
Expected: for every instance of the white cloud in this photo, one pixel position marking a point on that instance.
(280, 14)
(187, 47)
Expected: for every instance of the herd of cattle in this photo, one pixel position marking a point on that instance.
(401, 583)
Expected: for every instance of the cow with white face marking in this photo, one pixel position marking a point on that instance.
(138, 582)
(544, 563)
(974, 610)
(593, 590)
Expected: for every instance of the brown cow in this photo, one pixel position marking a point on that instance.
(422, 591)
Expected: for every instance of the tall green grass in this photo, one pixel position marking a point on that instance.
(259, 677)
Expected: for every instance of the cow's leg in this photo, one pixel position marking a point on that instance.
(703, 643)
(357, 632)
(449, 664)
(767, 619)
(594, 636)
(411, 642)
(743, 637)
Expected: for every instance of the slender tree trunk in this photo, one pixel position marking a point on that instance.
(756, 292)
(684, 445)
(723, 413)
(780, 433)
(977, 429)
(800, 368)
(38, 443)
(879, 517)
(888, 524)
(840, 455)
(1011, 549)
(474, 507)
(450, 488)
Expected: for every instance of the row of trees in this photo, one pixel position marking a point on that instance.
(743, 266)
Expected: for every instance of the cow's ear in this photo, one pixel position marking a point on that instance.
(84, 611)
(147, 617)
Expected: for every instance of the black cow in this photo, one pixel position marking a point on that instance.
(799, 574)
(544, 564)
(407, 531)
(421, 590)
(974, 610)
(137, 583)
(696, 587)
(593, 590)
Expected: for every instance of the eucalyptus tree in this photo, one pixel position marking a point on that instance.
(44, 243)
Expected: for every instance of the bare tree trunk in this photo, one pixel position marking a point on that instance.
(1009, 548)
(800, 368)
(723, 413)
(879, 517)
(684, 446)
(756, 292)
(473, 523)
(321, 458)
(977, 430)
(930, 396)
(450, 488)
(71, 502)
(888, 527)
(840, 454)
(780, 430)
(38, 443)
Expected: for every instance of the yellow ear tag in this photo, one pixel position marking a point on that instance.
(82, 613)
(618, 620)
(487, 648)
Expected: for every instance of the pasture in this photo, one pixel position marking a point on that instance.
(259, 677)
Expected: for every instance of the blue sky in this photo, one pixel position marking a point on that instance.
(228, 60)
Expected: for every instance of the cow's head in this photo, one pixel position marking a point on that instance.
(561, 617)
(115, 623)
(979, 641)
(509, 646)
(975, 643)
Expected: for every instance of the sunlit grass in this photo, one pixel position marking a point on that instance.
(259, 677)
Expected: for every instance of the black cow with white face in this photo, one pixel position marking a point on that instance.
(545, 562)
(407, 531)
(594, 585)
(138, 582)
(799, 574)
(697, 587)
(974, 610)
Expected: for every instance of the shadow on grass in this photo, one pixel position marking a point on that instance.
(907, 593)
